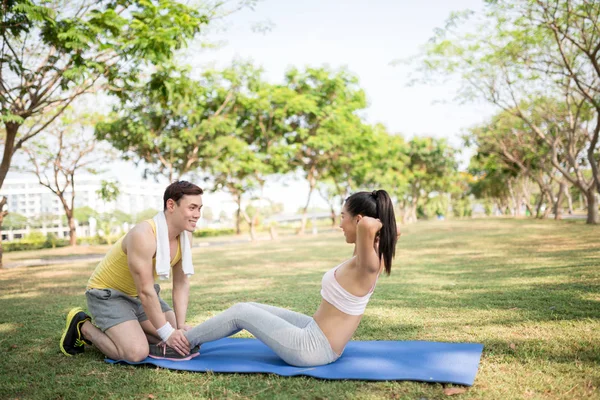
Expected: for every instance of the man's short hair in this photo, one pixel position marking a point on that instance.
(178, 189)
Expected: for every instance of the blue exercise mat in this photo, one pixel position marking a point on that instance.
(371, 361)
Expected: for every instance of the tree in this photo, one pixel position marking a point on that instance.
(54, 52)
(491, 179)
(256, 148)
(526, 50)
(84, 214)
(519, 150)
(325, 123)
(65, 150)
(431, 167)
(172, 121)
(15, 221)
(109, 191)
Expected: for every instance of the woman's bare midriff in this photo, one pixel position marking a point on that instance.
(337, 326)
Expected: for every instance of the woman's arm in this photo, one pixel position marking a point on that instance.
(366, 234)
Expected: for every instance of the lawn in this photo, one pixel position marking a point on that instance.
(528, 290)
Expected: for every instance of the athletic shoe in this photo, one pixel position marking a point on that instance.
(164, 352)
(72, 341)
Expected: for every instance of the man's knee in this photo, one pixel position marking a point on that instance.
(135, 353)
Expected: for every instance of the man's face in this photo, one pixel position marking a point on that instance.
(187, 213)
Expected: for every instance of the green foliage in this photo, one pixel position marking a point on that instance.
(148, 213)
(211, 232)
(109, 191)
(51, 240)
(537, 61)
(14, 221)
(34, 241)
(324, 131)
(174, 123)
(436, 206)
(83, 214)
(34, 236)
(55, 51)
(462, 207)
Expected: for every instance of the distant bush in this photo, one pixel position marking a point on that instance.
(33, 244)
(210, 232)
(96, 240)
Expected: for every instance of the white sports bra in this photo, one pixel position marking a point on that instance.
(340, 298)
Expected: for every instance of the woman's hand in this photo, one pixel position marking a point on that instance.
(373, 225)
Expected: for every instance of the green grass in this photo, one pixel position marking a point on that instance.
(528, 290)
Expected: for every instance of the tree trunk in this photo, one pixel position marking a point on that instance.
(2, 215)
(9, 144)
(559, 198)
(538, 210)
(273, 232)
(72, 231)
(592, 210)
(548, 209)
(333, 217)
(238, 215)
(512, 198)
(569, 201)
(312, 183)
(252, 224)
(11, 130)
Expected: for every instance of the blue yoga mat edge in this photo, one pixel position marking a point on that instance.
(422, 361)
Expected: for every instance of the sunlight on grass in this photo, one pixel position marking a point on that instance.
(9, 327)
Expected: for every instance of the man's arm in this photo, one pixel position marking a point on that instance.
(181, 291)
(141, 246)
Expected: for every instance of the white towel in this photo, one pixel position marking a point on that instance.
(163, 252)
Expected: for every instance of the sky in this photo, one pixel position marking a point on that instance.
(364, 36)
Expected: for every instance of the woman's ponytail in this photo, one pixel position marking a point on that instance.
(388, 235)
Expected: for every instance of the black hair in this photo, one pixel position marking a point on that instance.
(178, 189)
(378, 204)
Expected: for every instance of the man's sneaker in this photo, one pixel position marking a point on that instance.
(72, 341)
(164, 352)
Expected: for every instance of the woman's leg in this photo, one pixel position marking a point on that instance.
(296, 346)
(295, 318)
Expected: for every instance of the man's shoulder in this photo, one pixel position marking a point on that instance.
(142, 237)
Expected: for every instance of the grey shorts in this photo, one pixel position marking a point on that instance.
(110, 307)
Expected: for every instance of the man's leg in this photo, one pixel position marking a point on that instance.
(125, 341)
(119, 334)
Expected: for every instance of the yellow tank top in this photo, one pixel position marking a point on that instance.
(113, 271)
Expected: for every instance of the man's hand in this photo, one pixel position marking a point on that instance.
(186, 327)
(178, 342)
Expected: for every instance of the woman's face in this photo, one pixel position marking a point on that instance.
(348, 223)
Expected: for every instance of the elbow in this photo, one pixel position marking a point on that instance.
(146, 294)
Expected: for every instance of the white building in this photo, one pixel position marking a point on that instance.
(26, 196)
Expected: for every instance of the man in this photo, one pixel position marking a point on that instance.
(122, 298)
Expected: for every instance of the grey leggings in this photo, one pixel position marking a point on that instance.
(294, 337)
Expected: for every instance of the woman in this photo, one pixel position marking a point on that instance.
(368, 221)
